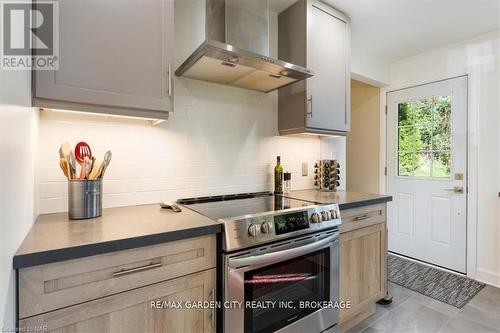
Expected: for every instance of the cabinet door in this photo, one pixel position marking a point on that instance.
(111, 53)
(133, 311)
(328, 91)
(363, 265)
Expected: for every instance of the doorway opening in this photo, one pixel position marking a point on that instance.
(362, 143)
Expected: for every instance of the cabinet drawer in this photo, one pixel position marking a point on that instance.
(137, 310)
(53, 286)
(361, 217)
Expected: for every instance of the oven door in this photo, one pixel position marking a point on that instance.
(288, 273)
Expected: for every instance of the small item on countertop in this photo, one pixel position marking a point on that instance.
(171, 205)
(278, 176)
(327, 175)
(105, 163)
(84, 199)
(92, 166)
(85, 189)
(86, 168)
(95, 170)
(287, 183)
(65, 152)
(72, 164)
(64, 166)
(82, 150)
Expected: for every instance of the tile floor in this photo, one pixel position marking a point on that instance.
(414, 312)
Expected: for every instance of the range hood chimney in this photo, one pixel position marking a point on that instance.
(236, 49)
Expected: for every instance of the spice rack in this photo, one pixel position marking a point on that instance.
(327, 175)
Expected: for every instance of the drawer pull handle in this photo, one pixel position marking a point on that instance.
(361, 217)
(137, 269)
(212, 314)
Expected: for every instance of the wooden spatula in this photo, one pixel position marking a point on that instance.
(96, 169)
(65, 151)
(64, 166)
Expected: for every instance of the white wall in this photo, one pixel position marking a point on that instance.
(478, 57)
(368, 68)
(18, 127)
(362, 150)
(218, 140)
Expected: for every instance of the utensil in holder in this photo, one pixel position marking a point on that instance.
(84, 199)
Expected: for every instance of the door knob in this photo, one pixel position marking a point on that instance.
(456, 189)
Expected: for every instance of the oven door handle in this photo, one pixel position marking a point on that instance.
(269, 258)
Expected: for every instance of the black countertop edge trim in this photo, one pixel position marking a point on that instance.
(362, 203)
(51, 256)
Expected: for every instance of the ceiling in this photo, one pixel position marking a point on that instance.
(397, 29)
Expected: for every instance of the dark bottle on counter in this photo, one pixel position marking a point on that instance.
(278, 203)
(278, 176)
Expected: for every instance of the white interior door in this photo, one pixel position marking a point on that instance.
(426, 172)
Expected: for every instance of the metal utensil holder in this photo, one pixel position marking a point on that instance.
(327, 175)
(84, 199)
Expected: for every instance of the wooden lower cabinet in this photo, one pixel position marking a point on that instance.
(132, 311)
(54, 286)
(363, 277)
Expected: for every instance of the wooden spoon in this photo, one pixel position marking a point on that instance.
(65, 150)
(64, 166)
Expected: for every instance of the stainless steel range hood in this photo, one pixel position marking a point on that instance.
(236, 49)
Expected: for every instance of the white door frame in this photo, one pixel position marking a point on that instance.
(471, 153)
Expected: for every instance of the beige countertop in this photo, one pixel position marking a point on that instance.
(345, 199)
(54, 237)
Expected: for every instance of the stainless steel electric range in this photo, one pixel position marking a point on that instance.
(280, 262)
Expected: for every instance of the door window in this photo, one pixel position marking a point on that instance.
(424, 138)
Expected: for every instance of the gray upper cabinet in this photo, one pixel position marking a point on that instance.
(114, 57)
(316, 36)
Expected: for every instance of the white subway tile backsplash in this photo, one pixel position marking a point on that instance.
(52, 205)
(119, 186)
(56, 189)
(219, 140)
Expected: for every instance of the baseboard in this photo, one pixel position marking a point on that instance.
(488, 277)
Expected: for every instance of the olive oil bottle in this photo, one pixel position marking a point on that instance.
(278, 176)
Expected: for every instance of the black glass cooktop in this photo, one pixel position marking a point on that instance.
(220, 207)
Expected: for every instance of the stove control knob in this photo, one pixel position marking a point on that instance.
(325, 216)
(253, 230)
(266, 227)
(334, 214)
(315, 218)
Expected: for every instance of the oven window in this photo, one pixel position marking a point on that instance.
(305, 278)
